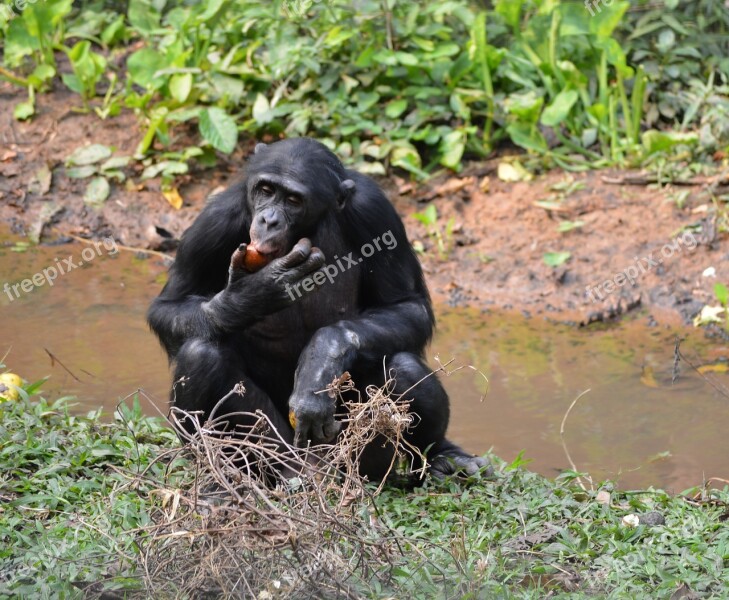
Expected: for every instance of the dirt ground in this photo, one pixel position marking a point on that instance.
(492, 256)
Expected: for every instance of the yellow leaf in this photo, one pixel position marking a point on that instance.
(173, 197)
(717, 368)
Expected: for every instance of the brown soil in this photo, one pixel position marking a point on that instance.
(497, 243)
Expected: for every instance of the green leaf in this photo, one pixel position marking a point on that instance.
(452, 147)
(97, 191)
(219, 129)
(143, 65)
(181, 86)
(722, 293)
(395, 108)
(262, 112)
(555, 259)
(661, 141)
(88, 155)
(427, 217)
(566, 226)
(143, 16)
(560, 108)
(80, 172)
(24, 110)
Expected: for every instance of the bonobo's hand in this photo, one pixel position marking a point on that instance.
(313, 417)
(270, 288)
(328, 354)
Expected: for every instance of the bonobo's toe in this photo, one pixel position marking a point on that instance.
(461, 464)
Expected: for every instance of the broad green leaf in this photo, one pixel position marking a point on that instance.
(510, 10)
(608, 17)
(560, 108)
(116, 162)
(395, 108)
(219, 129)
(452, 147)
(143, 65)
(24, 110)
(143, 16)
(41, 74)
(555, 259)
(181, 86)
(88, 155)
(661, 141)
(528, 137)
(80, 172)
(97, 191)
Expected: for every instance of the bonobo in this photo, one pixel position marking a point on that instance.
(294, 275)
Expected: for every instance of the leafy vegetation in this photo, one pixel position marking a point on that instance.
(78, 494)
(411, 85)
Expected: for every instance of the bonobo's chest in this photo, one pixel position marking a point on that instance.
(319, 300)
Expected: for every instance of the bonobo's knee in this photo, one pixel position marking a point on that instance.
(200, 376)
(198, 355)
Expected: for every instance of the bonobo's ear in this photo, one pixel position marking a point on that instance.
(259, 147)
(346, 192)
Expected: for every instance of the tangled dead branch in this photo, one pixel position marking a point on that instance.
(265, 520)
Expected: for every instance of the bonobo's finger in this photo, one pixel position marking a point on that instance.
(313, 263)
(331, 430)
(299, 253)
(237, 259)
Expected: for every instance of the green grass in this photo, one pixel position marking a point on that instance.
(77, 492)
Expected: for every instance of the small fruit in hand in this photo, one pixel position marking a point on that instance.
(9, 384)
(254, 260)
(249, 258)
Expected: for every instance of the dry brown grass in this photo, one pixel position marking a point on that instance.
(246, 528)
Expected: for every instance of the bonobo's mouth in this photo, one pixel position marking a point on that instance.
(268, 249)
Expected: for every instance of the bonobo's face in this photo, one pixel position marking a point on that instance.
(291, 187)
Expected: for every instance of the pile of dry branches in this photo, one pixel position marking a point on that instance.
(265, 520)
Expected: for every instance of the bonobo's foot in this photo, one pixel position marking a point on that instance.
(448, 459)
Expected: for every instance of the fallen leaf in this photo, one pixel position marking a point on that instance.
(41, 182)
(97, 191)
(173, 197)
(513, 172)
(88, 155)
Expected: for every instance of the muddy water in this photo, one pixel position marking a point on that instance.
(633, 426)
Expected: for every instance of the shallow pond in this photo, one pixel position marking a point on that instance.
(87, 332)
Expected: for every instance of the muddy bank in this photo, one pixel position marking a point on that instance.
(629, 246)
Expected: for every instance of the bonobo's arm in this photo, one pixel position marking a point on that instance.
(396, 317)
(205, 296)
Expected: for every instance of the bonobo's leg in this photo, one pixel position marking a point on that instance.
(211, 370)
(430, 405)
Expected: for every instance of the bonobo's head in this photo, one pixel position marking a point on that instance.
(291, 185)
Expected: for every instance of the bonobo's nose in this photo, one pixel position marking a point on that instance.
(270, 218)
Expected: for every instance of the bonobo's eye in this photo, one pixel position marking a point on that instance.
(266, 190)
(295, 200)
